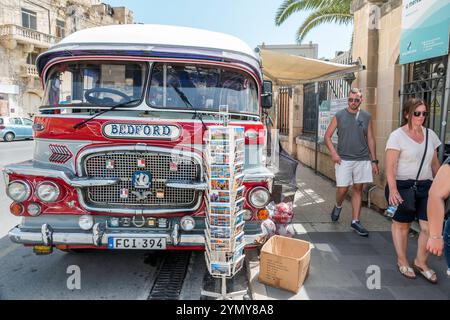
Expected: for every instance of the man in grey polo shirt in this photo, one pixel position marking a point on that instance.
(355, 159)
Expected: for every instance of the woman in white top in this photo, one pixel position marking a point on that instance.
(404, 152)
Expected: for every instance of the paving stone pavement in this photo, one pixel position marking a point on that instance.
(340, 258)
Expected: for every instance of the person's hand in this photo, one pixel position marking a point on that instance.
(395, 198)
(336, 159)
(375, 169)
(435, 246)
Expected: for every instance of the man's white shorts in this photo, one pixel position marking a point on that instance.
(351, 172)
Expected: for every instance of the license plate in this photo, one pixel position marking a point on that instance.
(137, 243)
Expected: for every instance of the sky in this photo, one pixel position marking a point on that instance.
(250, 20)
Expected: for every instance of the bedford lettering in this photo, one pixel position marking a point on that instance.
(147, 130)
(166, 131)
(131, 129)
(139, 130)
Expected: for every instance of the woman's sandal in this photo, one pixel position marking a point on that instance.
(404, 270)
(428, 274)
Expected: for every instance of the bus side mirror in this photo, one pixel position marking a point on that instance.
(266, 96)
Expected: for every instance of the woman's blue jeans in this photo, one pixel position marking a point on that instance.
(447, 241)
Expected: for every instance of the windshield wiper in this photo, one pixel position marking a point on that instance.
(188, 104)
(78, 125)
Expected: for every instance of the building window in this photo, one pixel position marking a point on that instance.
(60, 28)
(31, 58)
(29, 19)
(310, 105)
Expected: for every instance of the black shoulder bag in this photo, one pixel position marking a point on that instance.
(409, 194)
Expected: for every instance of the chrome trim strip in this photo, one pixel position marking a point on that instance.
(16, 235)
(28, 168)
(186, 185)
(135, 211)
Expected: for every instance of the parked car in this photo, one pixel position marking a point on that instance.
(15, 128)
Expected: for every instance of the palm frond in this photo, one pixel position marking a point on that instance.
(336, 14)
(288, 7)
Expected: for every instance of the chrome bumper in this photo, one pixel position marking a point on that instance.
(99, 238)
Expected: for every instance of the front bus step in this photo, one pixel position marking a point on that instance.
(170, 276)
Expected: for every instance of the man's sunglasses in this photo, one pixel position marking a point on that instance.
(354, 100)
(418, 113)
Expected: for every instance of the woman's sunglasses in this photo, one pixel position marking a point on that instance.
(356, 100)
(418, 113)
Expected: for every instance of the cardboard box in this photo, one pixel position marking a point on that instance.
(284, 263)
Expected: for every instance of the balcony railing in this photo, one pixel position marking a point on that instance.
(28, 36)
(28, 70)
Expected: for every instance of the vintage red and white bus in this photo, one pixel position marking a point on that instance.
(118, 142)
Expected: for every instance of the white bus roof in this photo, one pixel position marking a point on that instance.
(152, 34)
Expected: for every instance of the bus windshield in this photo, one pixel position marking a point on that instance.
(96, 83)
(211, 88)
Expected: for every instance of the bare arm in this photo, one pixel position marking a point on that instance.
(328, 134)
(440, 190)
(371, 141)
(435, 164)
(372, 146)
(391, 170)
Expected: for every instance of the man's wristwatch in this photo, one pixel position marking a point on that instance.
(375, 161)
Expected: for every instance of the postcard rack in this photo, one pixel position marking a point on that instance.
(224, 233)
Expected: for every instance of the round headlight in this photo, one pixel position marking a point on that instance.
(86, 222)
(248, 215)
(187, 223)
(259, 197)
(18, 190)
(47, 191)
(34, 209)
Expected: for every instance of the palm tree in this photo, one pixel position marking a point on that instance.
(324, 11)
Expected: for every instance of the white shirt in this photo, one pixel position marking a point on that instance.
(411, 154)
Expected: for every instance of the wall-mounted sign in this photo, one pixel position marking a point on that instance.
(425, 30)
(327, 110)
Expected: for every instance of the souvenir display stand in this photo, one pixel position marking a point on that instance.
(224, 233)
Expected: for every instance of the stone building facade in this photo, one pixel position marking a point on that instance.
(30, 27)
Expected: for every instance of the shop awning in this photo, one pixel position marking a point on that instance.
(286, 69)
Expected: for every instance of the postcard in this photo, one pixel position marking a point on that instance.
(238, 206)
(220, 184)
(220, 158)
(219, 209)
(238, 181)
(239, 217)
(220, 220)
(219, 196)
(219, 133)
(220, 171)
